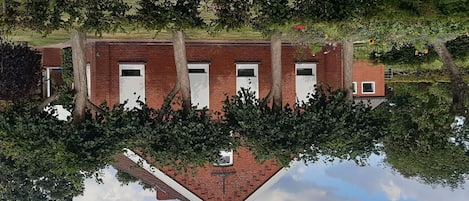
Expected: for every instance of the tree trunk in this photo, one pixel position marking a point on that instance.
(457, 83)
(180, 59)
(276, 58)
(78, 40)
(347, 62)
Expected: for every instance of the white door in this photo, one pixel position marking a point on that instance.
(247, 77)
(305, 80)
(199, 79)
(132, 84)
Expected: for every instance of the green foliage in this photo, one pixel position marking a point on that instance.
(231, 14)
(67, 66)
(417, 143)
(334, 11)
(407, 54)
(419, 23)
(326, 125)
(66, 92)
(168, 14)
(46, 16)
(265, 16)
(270, 15)
(20, 71)
(125, 179)
(181, 139)
(459, 47)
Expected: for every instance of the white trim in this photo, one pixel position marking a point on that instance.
(47, 79)
(136, 83)
(373, 86)
(203, 98)
(88, 79)
(253, 81)
(305, 84)
(247, 62)
(355, 87)
(270, 182)
(160, 175)
(224, 154)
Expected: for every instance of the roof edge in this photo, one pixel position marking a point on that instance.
(160, 175)
(271, 181)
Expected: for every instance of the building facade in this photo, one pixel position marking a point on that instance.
(129, 70)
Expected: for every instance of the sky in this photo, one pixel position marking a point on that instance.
(323, 182)
(348, 182)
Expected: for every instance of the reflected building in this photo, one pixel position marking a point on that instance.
(242, 178)
(120, 71)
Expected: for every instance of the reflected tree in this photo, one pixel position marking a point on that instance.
(125, 179)
(19, 71)
(328, 125)
(421, 141)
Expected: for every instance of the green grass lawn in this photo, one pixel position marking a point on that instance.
(36, 39)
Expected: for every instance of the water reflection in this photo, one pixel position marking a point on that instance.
(42, 153)
(317, 181)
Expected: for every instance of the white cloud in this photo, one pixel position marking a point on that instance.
(111, 190)
(297, 172)
(392, 191)
(379, 179)
(309, 194)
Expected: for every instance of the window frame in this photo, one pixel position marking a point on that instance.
(206, 71)
(355, 87)
(373, 86)
(47, 79)
(248, 65)
(222, 155)
(299, 88)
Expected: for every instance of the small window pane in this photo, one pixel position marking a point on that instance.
(304, 71)
(131, 73)
(225, 159)
(354, 87)
(197, 70)
(245, 72)
(368, 87)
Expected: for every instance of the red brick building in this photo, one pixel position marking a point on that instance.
(125, 70)
(244, 179)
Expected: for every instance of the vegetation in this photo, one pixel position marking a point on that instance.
(19, 71)
(327, 125)
(174, 16)
(53, 157)
(418, 140)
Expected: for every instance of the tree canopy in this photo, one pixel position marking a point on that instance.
(20, 71)
(419, 131)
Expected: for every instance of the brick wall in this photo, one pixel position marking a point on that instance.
(365, 71)
(160, 69)
(51, 57)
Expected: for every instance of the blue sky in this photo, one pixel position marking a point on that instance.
(324, 182)
(347, 182)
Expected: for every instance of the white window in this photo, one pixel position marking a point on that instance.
(368, 87)
(52, 80)
(199, 79)
(131, 84)
(305, 80)
(247, 77)
(354, 87)
(226, 159)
